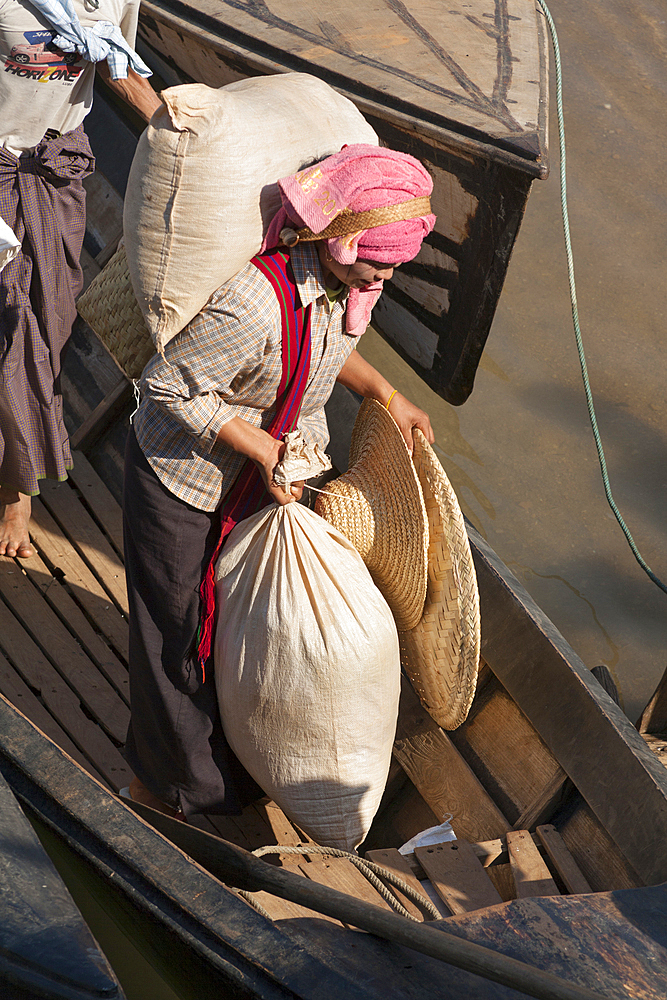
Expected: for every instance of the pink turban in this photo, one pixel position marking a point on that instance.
(360, 178)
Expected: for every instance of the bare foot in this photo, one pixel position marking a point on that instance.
(139, 793)
(14, 520)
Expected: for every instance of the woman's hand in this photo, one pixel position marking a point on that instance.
(264, 450)
(409, 416)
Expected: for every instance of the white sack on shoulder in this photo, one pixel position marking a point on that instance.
(203, 188)
(307, 671)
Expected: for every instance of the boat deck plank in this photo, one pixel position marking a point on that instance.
(62, 703)
(443, 777)
(562, 860)
(95, 548)
(99, 499)
(531, 875)
(39, 621)
(341, 874)
(77, 623)
(63, 640)
(393, 861)
(87, 590)
(21, 696)
(458, 876)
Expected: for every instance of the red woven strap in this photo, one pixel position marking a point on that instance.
(249, 495)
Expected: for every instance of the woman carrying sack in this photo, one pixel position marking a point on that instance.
(259, 360)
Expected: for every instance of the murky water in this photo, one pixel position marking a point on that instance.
(520, 452)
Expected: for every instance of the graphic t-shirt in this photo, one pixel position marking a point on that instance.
(40, 86)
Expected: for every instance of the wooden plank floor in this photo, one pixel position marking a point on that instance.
(63, 663)
(63, 627)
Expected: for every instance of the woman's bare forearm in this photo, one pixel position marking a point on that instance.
(359, 376)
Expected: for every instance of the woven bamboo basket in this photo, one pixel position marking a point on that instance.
(109, 306)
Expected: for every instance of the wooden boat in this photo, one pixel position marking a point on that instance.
(46, 949)
(559, 805)
(461, 86)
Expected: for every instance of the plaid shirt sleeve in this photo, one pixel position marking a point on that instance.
(223, 347)
(228, 362)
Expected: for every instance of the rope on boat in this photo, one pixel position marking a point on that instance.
(369, 869)
(575, 310)
(255, 903)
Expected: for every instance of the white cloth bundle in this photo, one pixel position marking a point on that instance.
(300, 461)
(307, 671)
(9, 245)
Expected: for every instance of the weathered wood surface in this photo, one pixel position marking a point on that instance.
(658, 744)
(508, 756)
(531, 875)
(654, 717)
(68, 565)
(562, 860)
(167, 892)
(394, 862)
(27, 619)
(597, 855)
(101, 502)
(468, 68)
(457, 876)
(615, 942)
(443, 778)
(594, 742)
(78, 624)
(438, 310)
(91, 544)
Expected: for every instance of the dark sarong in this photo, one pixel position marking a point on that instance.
(175, 743)
(43, 200)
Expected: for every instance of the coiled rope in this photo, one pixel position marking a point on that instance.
(575, 311)
(374, 873)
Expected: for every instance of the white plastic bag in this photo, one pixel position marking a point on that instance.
(434, 835)
(9, 245)
(203, 187)
(307, 671)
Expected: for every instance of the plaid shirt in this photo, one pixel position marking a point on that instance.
(227, 363)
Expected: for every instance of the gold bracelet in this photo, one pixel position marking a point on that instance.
(390, 399)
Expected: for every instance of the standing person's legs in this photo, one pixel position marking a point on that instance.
(42, 198)
(175, 744)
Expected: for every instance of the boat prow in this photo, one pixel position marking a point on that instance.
(461, 86)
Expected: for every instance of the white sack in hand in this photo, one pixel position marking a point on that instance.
(307, 670)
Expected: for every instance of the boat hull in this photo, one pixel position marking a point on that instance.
(437, 311)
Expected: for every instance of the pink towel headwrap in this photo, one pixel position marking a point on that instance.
(361, 178)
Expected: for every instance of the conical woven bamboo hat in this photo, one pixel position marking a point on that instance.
(441, 654)
(378, 505)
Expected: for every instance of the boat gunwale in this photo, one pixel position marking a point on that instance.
(542, 666)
